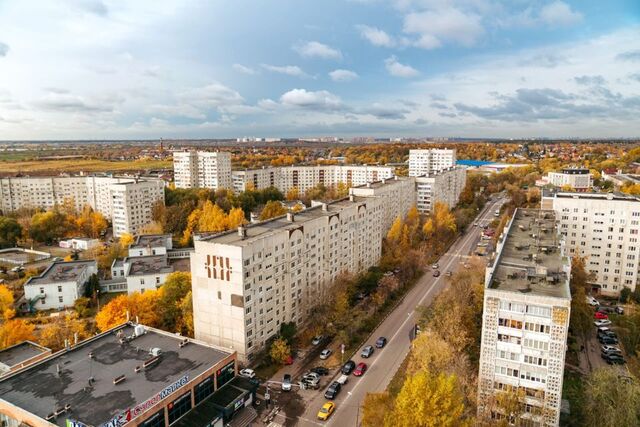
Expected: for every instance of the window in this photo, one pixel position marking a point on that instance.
(60, 299)
(142, 281)
(203, 390)
(42, 290)
(59, 288)
(155, 420)
(179, 407)
(157, 280)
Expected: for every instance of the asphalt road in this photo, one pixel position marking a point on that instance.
(384, 363)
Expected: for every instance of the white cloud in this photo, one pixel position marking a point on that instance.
(4, 48)
(320, 100)
(434, 27)
(340, 75)
(212, 95)
(290, 70)
(315, 49)
(243, 69)
(376, 36)
(399, 70)
(559, 13)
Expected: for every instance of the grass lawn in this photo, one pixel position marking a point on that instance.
(76, 165)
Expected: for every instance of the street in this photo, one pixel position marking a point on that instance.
(384, 363)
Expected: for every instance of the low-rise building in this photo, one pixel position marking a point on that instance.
(80, 243)
(525, 321)
(18, 356)
(579, 179)
(151, 244)
(140, 272)
(444, 186)
(133, 375)
(60, 285)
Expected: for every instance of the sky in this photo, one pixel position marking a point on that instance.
(100, 69)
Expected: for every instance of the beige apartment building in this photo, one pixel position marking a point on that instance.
(425, 162)
(202, 169)
(444, 185)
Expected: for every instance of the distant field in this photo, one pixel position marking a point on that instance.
(77, 165)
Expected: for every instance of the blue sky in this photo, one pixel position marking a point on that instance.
(210, 69)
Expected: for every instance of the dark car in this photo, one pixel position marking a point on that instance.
(614, 359)
(436, 273)
(381, 342)
(320, 370)
(348, 367)
(333, 390)
(619, 310)
(367, 351)
(608, 340)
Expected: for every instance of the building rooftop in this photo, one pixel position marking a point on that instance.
(290, 221)
(576, 171)
(386, 181)
(595, 196)
(529, 259)
(140, 265)
(63, 378)
(61, 271)
(19, 353)
(150, 240)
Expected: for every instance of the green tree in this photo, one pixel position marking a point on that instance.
(279, 350)
(611, 399)
(175, 288)
(48, 226)
(10, 232)
(288, 331)
(92, 285)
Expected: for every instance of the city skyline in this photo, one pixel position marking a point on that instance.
(101, 70)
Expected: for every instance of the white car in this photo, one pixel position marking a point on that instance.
(317, 339)
(248, 373)
(592, 301)
(435, 266)
(603, 322)
(324, 354)
(610, 349)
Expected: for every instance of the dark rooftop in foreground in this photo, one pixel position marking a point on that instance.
(62, 271)
(20, 353)
(530, 260)
(40, 390)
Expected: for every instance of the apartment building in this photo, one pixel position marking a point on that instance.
(246, 283)
(525, 320)
(132, 205)
(306, 177)
(579, 179)
(97, 192)
(59, 286)
(202, 169)
(425, 162)
(398, 196)
(444, 185)
(603, 228)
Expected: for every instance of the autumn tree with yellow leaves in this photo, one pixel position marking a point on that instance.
(272, 209)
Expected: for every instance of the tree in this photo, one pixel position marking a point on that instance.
(374, 408)
(81, 306)
(427, 400)
(236, 218)
(126, 239)
(10, 232)
(175, 288)
(395, 232)
(92, 286)
(63, 328)
(293, 194)
(185, 322)
(611, 399)
(90, 223)
(288, 331)
(272, 209)
(15, 331)
(145, 306)
(154, 227)
(280, 351)
(48, 226)
(7, 310)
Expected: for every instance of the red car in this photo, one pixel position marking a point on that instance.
(600, 315)
(360, 369)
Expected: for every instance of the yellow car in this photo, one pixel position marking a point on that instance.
(326, 411)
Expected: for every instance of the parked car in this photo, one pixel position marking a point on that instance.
(360, 369)
(603, 322)
(609, 349)
(619, 310)
(449, 273)
(435, 266)
(317, 339)
(324, 354)
(592, 301)
(320, 370)
(326, 411)
(311, 380)
(614, 359)
(608, 333)
(248, 373)
(381, 342)
(603, 329)
(600, 315)
(343, 379)
(367, 351)
(608, 340)
(333, 390)
(286, 383)
(348, 367)
(436, 273)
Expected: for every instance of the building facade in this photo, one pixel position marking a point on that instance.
(425, 162)
(525, 321)
(202, 169)
(111, 196)
(398, 196)
(246, 283)
(445, 186)
(579, 179)
(604, 228)
(60, 285)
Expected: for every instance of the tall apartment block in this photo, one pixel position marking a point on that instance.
(246, 283)
(202, 169)
(603, 228)
(306, 177)
(444, 185)
(525, 320)
(425, 162)
(127, 202)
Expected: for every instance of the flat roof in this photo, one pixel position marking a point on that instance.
(530, 260)
(21, 352)
(261, 229)
(386, 181)
(40, 389)
(150, 240)
(596, 196)
(139, 265)
(61, 271)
